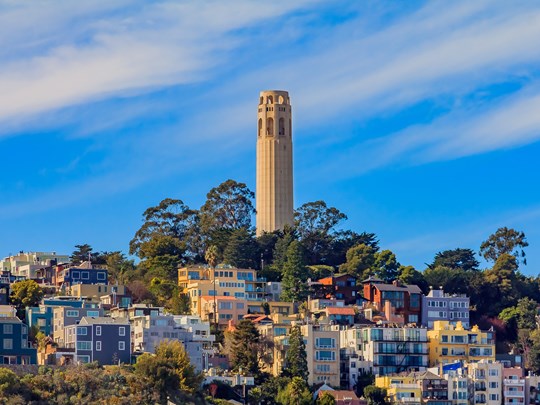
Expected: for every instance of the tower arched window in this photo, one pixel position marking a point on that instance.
(270, 100)
(270, 127)
(281, 99)
(260, 126)
(282, 126)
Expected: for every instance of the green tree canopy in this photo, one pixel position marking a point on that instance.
(316, 225)
(169, 370)
(296, 358)
(171, 220)
(295, 275)
(451, 280)
(229, 206)
(375, 395)
(360, 260)
(244, 348)
(505, 241)
(326, 399)
(463, 259)
(386, 266)
(409, 275)
(521, 316)
(242, 250)
(26, 293)
(295, 393)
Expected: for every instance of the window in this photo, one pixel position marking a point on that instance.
(98, 345)
(493, 397)
(444, 338)
(83, 359)
(84, 345)
(98, 330)
(240, 305)
(413, 318)
(72, 313)
(122, 331)
(101, 275)
(325, 342)
(493, 372)
(325, 355)
(8, 344)
(225, 305)
(8, 329)
(92, 313)
(81, 331)
(75, 275)
(85, 275)
(121, 345)
(493, 384)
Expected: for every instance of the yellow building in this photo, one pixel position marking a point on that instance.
(449, 344)
(401, 388)
(226, 281)
(94, 291)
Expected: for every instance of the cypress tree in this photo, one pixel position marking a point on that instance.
(296, 358)
(295, 275)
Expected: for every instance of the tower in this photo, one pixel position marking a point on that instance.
(274, 194)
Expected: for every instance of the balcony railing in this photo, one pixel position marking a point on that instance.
(514, 394)
(514, 381)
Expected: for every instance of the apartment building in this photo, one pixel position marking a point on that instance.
(36, 260)
(342, 287)
(222, 309)
(439, 306)
(85, 273)
(486, 376)
(513, 385)
(450, 344)
(322, 349)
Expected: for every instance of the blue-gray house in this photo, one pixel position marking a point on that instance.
(101, 339)
(14, 346)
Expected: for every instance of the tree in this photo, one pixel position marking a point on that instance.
(267, 392)
(386, 266)
(360, 260)
(119, 267)
(344, 240)
(170, 218)
(521, 316)
(451, 280)
(504, 241)
(295, 275)
(26, 293)
(296, 358)
(81, 254)
(243, 346)
(499, 290)
(169, 370)
(326, 399)
(295, 393)
(463, 259)
(375, 395)
(316, 223)
(229, 206)
(409, 275)
(241, 251)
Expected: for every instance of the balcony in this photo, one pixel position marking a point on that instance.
(514, 394)
(514, 381)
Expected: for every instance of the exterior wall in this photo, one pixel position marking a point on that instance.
(227, 309)
(400, 388)
(42, 316)
(487, 379)
(274, 199)
(322, 349)
(438, 306)
(394, 350)
(406, 300)
(94, 290)
(460, 387)
(107, 343)
(513, 386)
(66, 316)
(532, 390)
(449, 344)
(14, 345)
(79, 275)
(11, 263)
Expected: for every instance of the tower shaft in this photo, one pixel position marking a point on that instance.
(274, 193)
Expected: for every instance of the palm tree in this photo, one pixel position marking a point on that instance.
(211, 256)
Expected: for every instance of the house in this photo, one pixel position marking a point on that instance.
(340, 316)
(85, 273)
(225, 308)
(406, 300)
(513, 385)
(42, 316)
(342, 287)
(104, 340)
(66, 316)
(439, 306)
(15, 348)
(136, 310)
(343, 397)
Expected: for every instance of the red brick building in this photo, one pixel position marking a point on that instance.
(343, 287)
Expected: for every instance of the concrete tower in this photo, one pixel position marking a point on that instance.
(274, 162)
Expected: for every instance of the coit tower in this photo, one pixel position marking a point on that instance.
(274, 194)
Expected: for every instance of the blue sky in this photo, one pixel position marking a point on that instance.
(419, 120)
